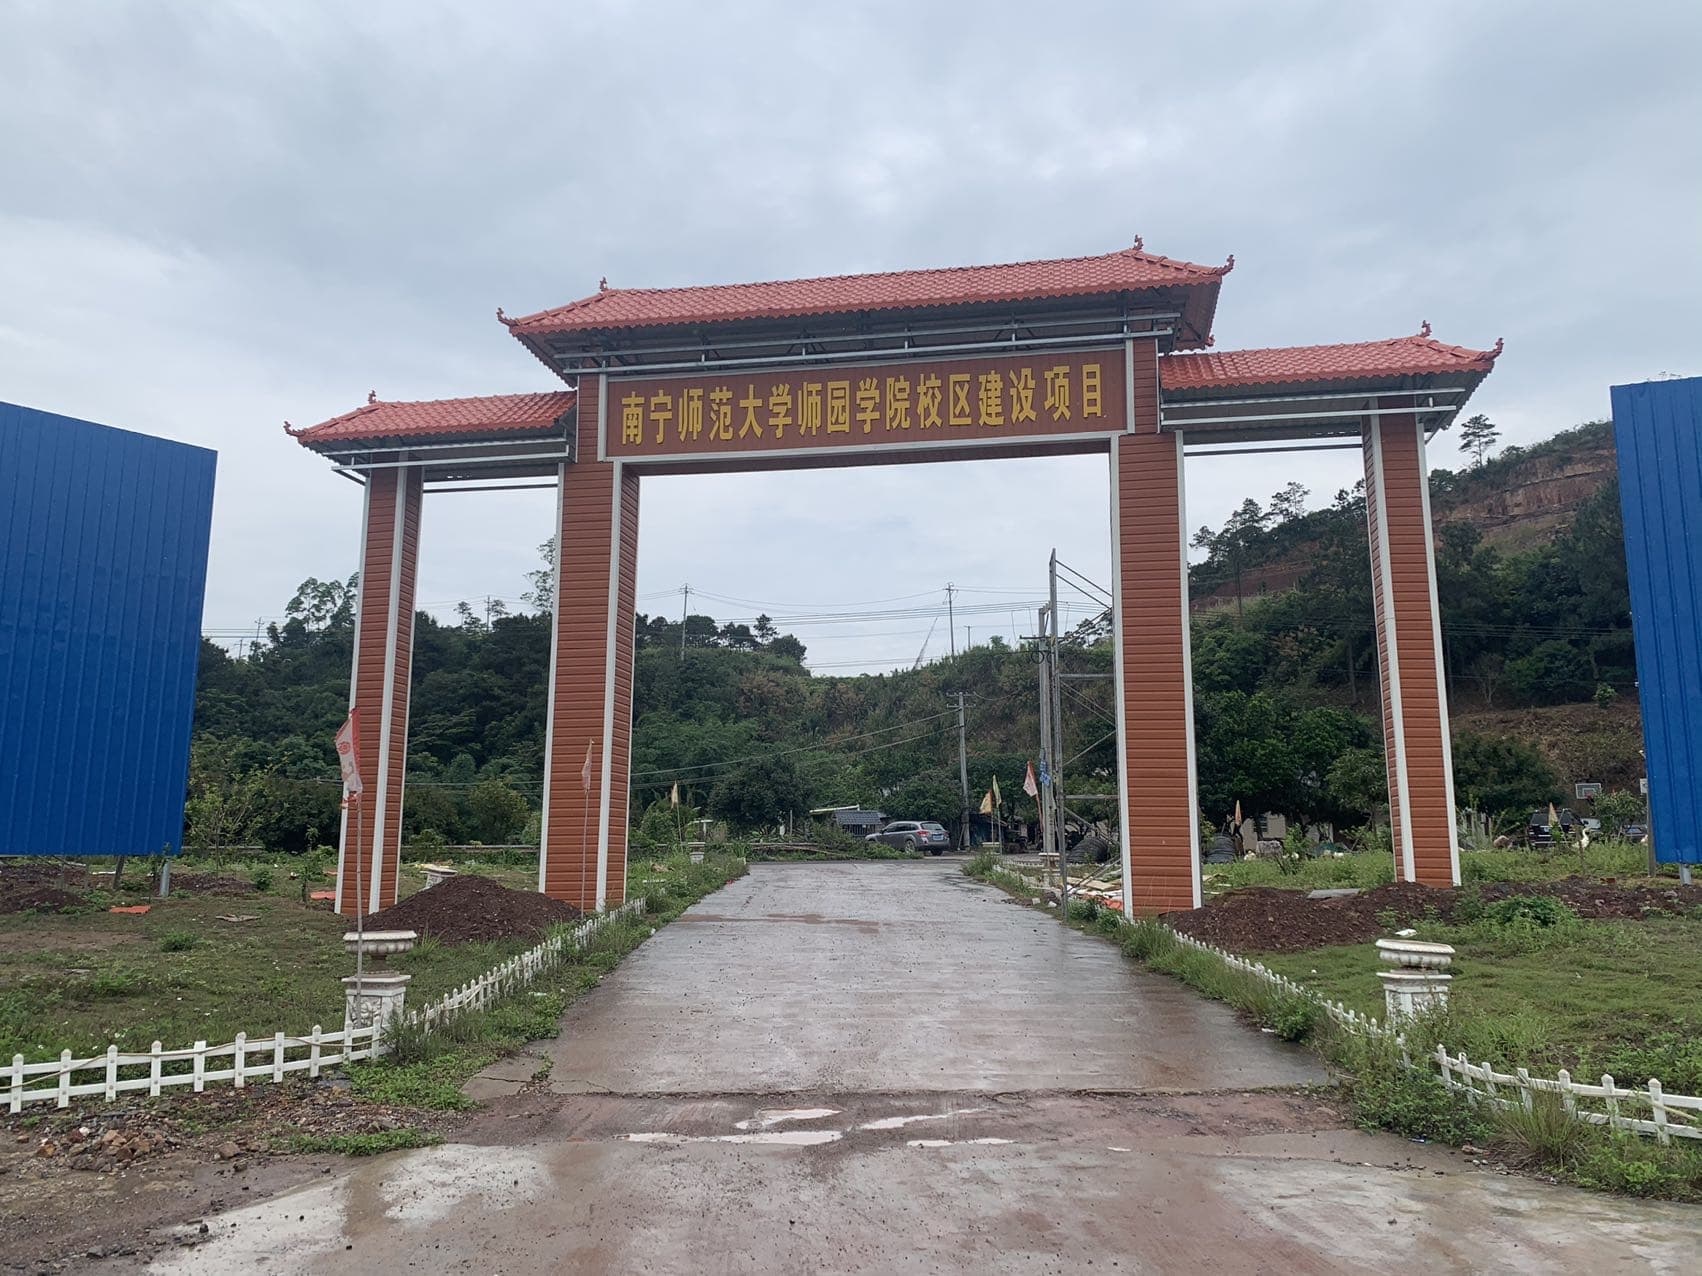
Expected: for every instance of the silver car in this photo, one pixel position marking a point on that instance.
(914, 835)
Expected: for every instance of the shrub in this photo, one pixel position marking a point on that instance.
(980, 865)
(1545, 1133)
(1293, 1017)
(263, 879)
(1530, 910)
(178, 941)
(1083, 910)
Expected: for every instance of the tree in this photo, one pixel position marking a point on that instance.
(495, 813)
(1501, 776)
(324, 604)
(764, 630)
(758, 794)
(1358, 781)
(1289, 503)
(1478, 435)
(788, 646)
(541, 584)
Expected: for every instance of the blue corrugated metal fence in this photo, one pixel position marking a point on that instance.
(103, 564)
(1657, 430)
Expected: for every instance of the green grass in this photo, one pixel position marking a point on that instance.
(178, 974)
(1589, 996)
(1363, 869)
(373, 1144)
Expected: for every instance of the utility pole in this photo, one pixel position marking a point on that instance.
(685, 607)
(951, 618)
(963, 771)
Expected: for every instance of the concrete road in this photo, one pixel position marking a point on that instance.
(885, 1068)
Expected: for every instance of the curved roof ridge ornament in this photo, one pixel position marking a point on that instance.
(1496, 352)
(1230, 264)
(1140, 244)
(371, 397)
(1424, 327)
(293, 432)
(504, 320)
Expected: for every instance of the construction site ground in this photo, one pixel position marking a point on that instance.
(879, 1067)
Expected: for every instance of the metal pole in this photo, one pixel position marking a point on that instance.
(963, 770)
(1057, 795)
(951, 618)
(1045, 795)
(685, 606)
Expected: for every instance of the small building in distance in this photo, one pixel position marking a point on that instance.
(855, 820)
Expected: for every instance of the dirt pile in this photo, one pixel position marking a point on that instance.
(1265, 919)
(38, 886)
(469, 909)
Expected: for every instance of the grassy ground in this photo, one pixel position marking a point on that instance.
(1618, 860)
(180, 973)
(1589, 996)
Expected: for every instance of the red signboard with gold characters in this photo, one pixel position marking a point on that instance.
(928, 403)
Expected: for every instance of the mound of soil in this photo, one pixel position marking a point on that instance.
(220, 885)
(469, 909)
(1265, 919)
(42, 886)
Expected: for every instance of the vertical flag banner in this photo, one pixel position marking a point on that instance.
(585, 771)
(674, 797)
(987, 803)
(1029, 785)
(998, 798)
(347, 735)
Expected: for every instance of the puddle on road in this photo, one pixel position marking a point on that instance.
(781, 1138)
(768, 1117)
(956, 1143)
(898, 1122)
(417, 1189)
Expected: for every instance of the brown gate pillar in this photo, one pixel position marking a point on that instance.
(1416, 746)
(589, 737)
(1155, 700)
(383, 660)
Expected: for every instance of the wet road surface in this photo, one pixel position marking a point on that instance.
(883, 1067)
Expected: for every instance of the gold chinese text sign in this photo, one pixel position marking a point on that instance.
(927, 403)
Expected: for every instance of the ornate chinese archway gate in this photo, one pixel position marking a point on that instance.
(1094, 354)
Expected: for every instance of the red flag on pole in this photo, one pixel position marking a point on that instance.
(347, 737)
(1029, 786)
(585, 772)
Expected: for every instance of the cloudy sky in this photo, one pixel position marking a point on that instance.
(218, 216)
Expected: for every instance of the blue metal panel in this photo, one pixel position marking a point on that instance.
(103, 564)
(1657, 429)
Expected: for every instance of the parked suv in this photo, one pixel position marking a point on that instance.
(914, 835)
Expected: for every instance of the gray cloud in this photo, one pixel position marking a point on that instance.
(214, 217)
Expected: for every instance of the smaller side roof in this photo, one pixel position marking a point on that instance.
(499, 414)
(1411, 356)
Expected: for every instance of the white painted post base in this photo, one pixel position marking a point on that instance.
(1048, 868)
(436, 874)
(1421, 981)
(376, 998)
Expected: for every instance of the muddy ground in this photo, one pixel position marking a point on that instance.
(1269, 920)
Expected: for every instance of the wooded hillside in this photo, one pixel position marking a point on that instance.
(1285, 686)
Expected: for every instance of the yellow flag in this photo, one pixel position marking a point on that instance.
(987, 803)
(674, 797)
(998, 798)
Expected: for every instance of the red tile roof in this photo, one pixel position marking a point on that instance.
(1130, 270)
(1360, 361)
(441, 418)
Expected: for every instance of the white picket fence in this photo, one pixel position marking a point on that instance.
(1646, 1110)
(273, 1058)
(518, 971)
